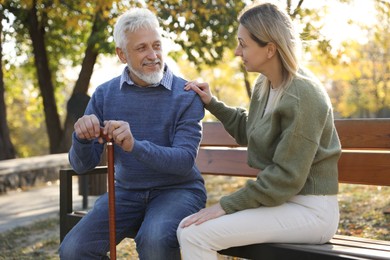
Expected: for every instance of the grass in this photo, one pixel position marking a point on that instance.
(361, 209)
(37, 241)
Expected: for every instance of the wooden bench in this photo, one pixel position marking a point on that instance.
(365, 160)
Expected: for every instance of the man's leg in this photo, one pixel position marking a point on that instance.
(89, 239)
(156, 238)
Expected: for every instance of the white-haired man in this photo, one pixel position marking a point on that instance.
(155, 125)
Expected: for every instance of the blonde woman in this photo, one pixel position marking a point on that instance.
(291, 138)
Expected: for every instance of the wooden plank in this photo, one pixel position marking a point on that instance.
(276, 252)
(78, 214)
(354, 133)
(96, 170)
(364, 133)
(365, 167)
(230, 162)
(361, 243)
(358, 167)
(362, 253)
(361, 239)
(303, 252)
(214, 134)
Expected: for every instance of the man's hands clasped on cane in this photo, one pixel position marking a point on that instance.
(88, 127)
(120, 133)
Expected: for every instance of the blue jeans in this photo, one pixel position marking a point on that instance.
(150, 217)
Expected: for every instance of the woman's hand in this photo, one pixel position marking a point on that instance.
(202, 89)
(204, 215)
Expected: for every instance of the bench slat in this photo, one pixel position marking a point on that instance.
(361, 239)
(361, 244)
(303, 252)
(364, 133)
(357, 167)
(224, 162)
(340, 249)
(365, 167)
(214, 134)
(353, 133)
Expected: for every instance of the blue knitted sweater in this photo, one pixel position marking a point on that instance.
(167, 131)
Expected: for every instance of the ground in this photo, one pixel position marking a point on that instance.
(362, 214)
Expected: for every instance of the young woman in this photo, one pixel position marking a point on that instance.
(291, 138)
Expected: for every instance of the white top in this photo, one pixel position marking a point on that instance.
(273, 93)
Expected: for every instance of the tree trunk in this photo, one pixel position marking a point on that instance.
(37, 33)
(79, 99)
(7, 150)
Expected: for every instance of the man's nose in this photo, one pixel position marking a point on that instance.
(152, 54)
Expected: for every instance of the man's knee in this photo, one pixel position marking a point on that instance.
(68, 249)
(160, 244)
(157, 238)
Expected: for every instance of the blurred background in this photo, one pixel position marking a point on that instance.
(54, 53)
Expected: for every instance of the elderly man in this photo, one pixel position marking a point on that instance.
(155, 126)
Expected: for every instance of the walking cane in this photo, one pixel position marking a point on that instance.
(111, 193)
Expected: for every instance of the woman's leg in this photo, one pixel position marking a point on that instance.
(304, 219)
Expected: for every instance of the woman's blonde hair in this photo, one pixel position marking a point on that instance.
(266, 23)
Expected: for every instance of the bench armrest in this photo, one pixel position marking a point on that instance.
(66, 196)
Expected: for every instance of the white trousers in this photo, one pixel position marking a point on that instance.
(308, 219)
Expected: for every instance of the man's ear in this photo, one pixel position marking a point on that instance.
(271, 50)
(121, 55)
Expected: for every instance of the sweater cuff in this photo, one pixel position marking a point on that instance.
(234, 202)
(138, 149)
(213, 105)
(219, 109)
(81, 141)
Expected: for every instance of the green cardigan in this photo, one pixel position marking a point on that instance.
(296, 146)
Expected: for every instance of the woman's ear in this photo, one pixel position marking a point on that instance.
(121, 55)
(271, 50)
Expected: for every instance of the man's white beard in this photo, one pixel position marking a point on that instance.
(150, 78)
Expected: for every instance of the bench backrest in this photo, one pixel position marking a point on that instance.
(365, 158)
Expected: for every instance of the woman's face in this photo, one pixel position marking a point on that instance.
(252, 54)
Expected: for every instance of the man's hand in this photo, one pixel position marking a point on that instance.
(120, 133)
(87, 127)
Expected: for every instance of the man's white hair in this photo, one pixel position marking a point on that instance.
(131, 21)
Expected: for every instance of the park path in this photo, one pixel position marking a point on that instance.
(21, 208)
